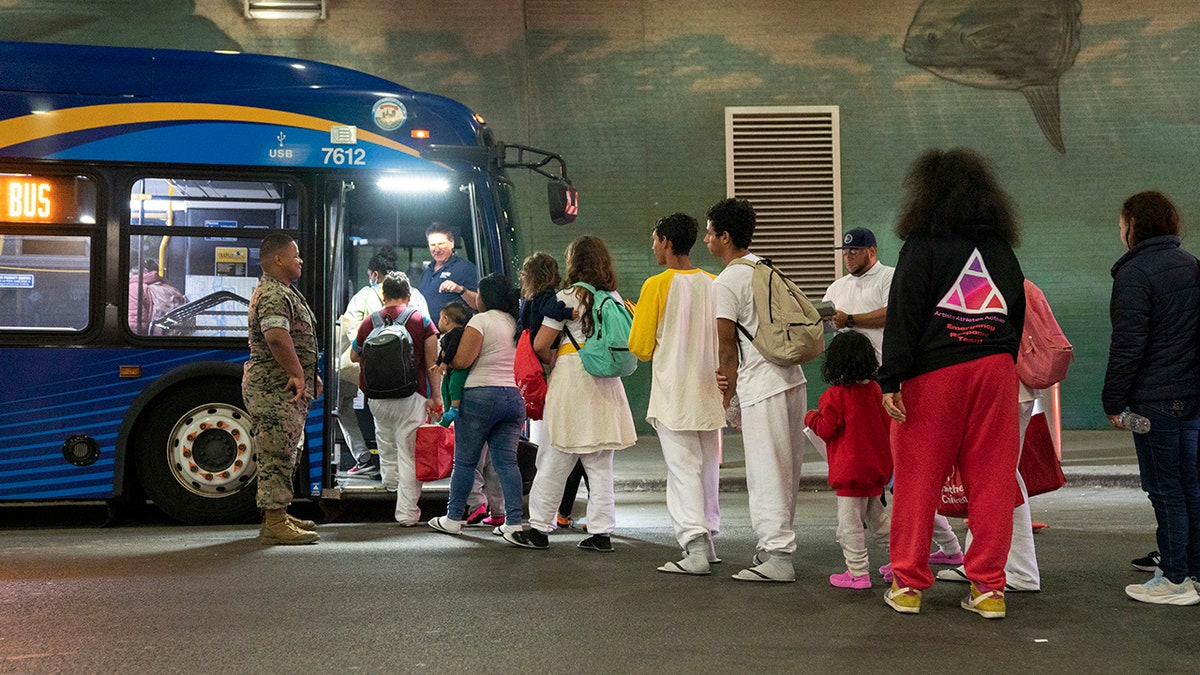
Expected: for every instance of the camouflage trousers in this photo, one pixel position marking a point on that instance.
(277, 430)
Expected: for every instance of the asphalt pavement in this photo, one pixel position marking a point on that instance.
(374, 597)
(151, 596)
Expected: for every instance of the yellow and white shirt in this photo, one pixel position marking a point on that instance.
(675, 324)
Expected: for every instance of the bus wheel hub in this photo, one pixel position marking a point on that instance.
(210, 451)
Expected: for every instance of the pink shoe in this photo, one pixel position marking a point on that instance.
(943, 558)
(492, 521)
(886, 573)
(847, 580)
(476, 515)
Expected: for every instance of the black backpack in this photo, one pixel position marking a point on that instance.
(389, 365)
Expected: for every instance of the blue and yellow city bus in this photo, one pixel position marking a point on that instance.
(122, 168)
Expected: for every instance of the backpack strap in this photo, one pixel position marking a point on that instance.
(406, 315)
(571, 337)
(740, 327)
(591, 289)
(378, 319)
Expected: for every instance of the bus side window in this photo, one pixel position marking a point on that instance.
(197, 240)
(45, 281)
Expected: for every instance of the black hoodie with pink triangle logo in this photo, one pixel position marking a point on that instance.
(953, 299)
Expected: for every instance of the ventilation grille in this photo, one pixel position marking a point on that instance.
(787, 162)
(284, 9)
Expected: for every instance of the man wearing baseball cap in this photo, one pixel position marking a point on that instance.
(861, 296)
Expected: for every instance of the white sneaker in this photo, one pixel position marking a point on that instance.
(1161, 591)
(499, 530)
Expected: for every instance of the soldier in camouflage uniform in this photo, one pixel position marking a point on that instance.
(278, 385)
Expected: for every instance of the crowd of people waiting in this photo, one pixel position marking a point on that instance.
(921, 375)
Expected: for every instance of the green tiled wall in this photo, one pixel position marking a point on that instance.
(632, 93)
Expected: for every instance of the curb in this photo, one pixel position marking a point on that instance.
(814, 483)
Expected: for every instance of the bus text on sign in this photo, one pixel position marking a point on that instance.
(28, 199)
(33, 198)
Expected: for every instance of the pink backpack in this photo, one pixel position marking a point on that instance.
(1044, 354)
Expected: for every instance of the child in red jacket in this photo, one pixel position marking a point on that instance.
(851, 420)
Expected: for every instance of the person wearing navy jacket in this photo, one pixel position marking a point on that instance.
(1154, 371)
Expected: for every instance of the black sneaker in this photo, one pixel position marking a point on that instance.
(597, 542)
(529, 538)
(1148, 563)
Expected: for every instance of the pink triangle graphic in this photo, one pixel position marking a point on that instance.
(974, 292)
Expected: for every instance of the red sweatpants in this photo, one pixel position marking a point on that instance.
(965, 414)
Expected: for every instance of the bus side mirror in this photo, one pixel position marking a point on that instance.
(564, 202)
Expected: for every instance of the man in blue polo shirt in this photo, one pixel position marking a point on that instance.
(448, 277)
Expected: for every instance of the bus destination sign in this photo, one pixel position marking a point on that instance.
(46, 199)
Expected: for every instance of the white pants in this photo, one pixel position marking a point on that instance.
(553, 467)
(773, 436)
(537, 433)
(693, 481)
(943, 535)
(855, 513)
(1021, 568)
(396, 422)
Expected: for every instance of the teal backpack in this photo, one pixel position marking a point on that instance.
(606, 353)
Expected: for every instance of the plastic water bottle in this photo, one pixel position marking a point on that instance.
(733, 415)
(1134, 422)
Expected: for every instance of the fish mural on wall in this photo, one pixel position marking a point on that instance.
(1000, 44)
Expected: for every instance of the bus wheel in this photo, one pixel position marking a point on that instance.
(194, 455)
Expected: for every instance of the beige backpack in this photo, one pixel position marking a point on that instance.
(790, 330)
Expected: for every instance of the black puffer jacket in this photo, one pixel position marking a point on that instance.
(1155, 309)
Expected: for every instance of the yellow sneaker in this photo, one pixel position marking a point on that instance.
(989, 605)
(905, 600)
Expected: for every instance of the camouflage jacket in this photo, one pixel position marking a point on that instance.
(275, 305)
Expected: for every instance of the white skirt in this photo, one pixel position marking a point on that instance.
(586, 414)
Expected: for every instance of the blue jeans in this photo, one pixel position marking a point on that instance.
(1167, 461)
(492, 415)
